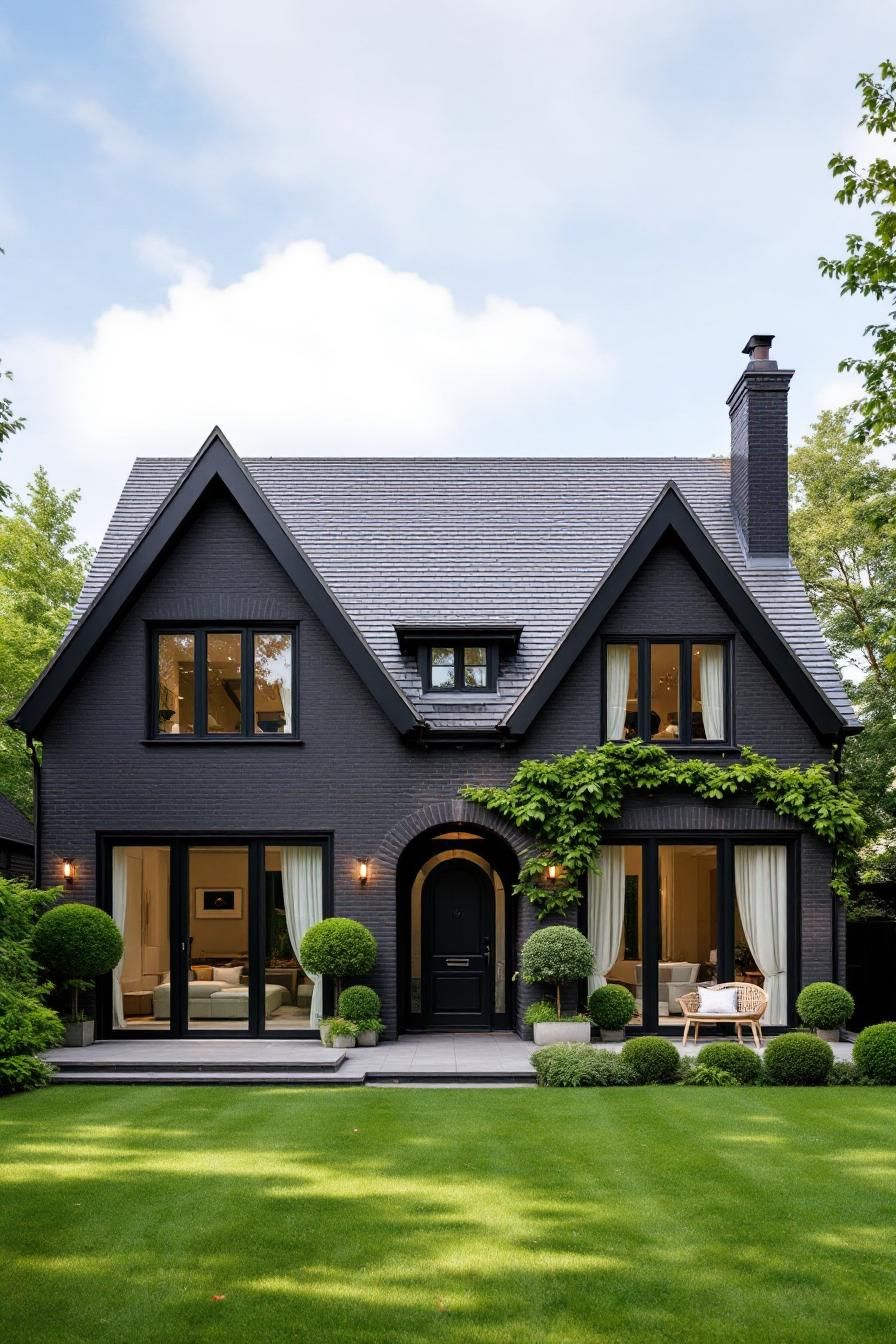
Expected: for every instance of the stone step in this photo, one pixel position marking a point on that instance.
(207, 1077)
(332, 1060)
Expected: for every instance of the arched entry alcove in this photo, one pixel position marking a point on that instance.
(456, 929)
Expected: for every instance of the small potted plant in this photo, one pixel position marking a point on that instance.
(342, 1033)
(75, 943)
(338, 947)
(825, 1007)
(361, 1005)
(612, 1007)
(556, 956)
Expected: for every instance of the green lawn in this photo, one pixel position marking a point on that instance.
(508, 1216)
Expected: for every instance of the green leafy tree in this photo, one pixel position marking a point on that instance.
(843, 538)
(42, 569)
(9, 424)
(869, 266)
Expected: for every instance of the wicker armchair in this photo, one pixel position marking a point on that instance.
(751, 1005)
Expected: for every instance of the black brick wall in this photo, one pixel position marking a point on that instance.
(758, 410)
(353, 776)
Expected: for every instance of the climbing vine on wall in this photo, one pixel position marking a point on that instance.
(564, 803)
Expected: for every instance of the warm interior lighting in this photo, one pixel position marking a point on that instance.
(68, 870)
(362, 870)
(552, 872)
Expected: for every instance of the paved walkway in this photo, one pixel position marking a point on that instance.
(467, 1058)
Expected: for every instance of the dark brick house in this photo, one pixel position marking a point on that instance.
(16, 842)
(281, 672)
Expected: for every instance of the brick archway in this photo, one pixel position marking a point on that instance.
(458, 812)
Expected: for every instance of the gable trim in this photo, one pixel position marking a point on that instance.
(215, 463)
(672, 514)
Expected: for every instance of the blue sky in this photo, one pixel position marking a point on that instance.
(392, 227)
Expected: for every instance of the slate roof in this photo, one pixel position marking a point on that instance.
(419, 541)
(14, 826)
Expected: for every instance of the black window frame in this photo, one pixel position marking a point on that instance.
(685, 645)
(491, 667)
(247, 630)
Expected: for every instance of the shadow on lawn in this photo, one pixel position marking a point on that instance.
(462, 1216)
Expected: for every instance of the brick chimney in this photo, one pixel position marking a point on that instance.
(758, 411)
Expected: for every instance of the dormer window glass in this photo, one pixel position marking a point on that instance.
(673, 693)
(460, 667)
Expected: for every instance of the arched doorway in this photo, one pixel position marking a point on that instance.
(456, 921)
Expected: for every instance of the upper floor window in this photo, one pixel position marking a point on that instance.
(668, 692)
(219, 683)
(460, 667)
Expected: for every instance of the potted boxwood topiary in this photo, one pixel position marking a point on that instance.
(557, 956)
(361, 1005)
(338, 947)
(612, 1007)
(826, 1008)
(75, 943)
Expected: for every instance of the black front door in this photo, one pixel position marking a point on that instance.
(458, 912)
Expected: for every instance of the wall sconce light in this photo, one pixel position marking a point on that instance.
(362, 871)
(552, 872)
(68, 870)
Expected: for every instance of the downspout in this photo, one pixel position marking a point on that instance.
(35, 819)
(835, 905)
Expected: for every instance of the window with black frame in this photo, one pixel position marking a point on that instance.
(224, 683)
(460, 667)
(671, 692)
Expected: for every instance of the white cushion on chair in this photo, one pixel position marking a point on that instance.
(717, 1002)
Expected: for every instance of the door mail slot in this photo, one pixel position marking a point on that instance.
(457, 961)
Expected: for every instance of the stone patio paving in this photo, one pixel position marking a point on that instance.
(445, 1059)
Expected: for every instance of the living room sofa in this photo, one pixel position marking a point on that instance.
(215, 999)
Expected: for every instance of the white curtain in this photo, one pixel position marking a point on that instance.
(712, 691)
(760, 879)
(667, 903)
(119, 914)
(606, 912)
(303, 899)
(617, 690)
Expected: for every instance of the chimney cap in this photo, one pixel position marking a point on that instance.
(758, 347)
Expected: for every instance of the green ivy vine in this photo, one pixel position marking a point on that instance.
(563, 803)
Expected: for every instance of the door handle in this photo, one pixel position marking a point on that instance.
(488, 952)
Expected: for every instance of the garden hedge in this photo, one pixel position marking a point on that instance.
(652, 1059)
(874, 1053)
(572, 1064)
(742, 1063)
(825, 1005)
(798, 1060)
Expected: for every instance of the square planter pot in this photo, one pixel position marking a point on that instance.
(367, 1038)
(606, 1034)
(78, 1033)
(549, 1033)
(342, 1042)
(828, 1033)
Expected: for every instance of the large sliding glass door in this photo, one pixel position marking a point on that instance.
(212, 933)
(667, 916)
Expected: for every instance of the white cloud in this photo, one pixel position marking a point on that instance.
(166, 258)
(305, 354)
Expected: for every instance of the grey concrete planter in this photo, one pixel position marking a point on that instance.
(549, 1033)
(367, 1038)
(828, 1033)
(608, 1034)
(78, 1033)
(342, 1042)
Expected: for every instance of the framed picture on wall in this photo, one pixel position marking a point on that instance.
(218, 902)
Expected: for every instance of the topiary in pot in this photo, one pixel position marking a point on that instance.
(874, 1053)
(75, 943)
(651, 1059)
(612, 1007)
(557, 956)
(797, 1059)
(359, 1001)
(825, 1007)
(342, 1033)
(744, 1065)
(338, 947)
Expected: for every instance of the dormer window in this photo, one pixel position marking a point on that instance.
(670, 692)
(460, 667)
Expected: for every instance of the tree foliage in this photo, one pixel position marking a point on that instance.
(27, 1027)
(42, 570)
(869, 265)
(10, 424)
(843, 538)
(564, 802)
